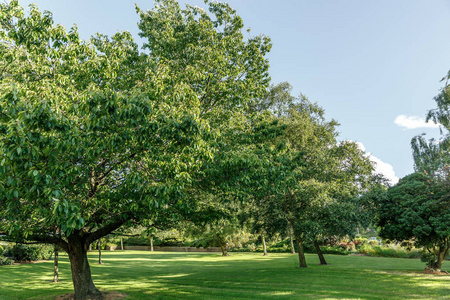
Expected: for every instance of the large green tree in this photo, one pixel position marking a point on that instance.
(420, 202)
(96, 135)
(306, 179)
(418, 208)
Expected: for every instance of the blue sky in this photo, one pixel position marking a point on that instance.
(368, 63)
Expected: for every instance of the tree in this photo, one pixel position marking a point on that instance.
(296, 170)
(313, 174)
(433, 156)
(418, 207)
(55, 265)
(95, 136)
(432, 162)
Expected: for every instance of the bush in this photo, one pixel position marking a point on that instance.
(359, 241)
(334, 250)
(110, 246)
(21, 252)
(136, 241)
(5, 261)
(1, 250)
(389, 251)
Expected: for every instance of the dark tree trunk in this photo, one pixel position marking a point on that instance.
(222, 246)
(121, 243)
(99, 246)
(301, 253)
(81, 273)
(264, 246)
(56, 271)
(151, 244)
(319, 253)
(437, 264)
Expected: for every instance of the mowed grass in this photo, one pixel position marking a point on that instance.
(169, 275)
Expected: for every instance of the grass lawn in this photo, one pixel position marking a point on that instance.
(169, 275)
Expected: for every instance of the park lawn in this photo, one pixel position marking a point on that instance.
(169, 275)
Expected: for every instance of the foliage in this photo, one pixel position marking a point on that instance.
(417, 207)
(433, 156)
(98, 135)
(21, 252)
(5, 261)
(389, 251)
(315, 180)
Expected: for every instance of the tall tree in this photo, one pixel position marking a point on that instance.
(424, 196)
(432, 156)
(94, 136)
(313, 174)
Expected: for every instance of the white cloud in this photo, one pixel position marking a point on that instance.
(414, 122)
(381, 167)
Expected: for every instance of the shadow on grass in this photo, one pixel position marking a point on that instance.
(144, 275)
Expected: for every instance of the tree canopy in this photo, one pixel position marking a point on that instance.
(98, 134)
(418, 208)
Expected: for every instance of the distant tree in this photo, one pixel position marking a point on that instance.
(432, 156)
(427, 207)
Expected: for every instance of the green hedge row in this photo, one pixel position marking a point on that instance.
(20, 252)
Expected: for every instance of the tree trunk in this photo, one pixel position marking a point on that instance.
(151, 244)
(56, 271)
(437, 264)
(264, 246)
(301, 254)
(121, 243)
(99, 246)
(81, 273)
(292, 244)
(222, 246)
(319, 253)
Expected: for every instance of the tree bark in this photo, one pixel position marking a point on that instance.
(292, 241)
(264, 246)
(151, 244)
(56, 271)
(301, 253)
(319, 253)
(437, 264)
(222, 246)
(121, 243)
(81, 273)
(99, 246)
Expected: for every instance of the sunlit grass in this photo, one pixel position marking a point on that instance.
(163, 275)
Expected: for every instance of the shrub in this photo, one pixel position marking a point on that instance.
(389, 251)
(359, 241)
(110, 246)
(5, 261)
(20, 252)
(136, 241)
(334, 250)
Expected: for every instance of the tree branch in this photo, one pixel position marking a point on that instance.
(107, 229)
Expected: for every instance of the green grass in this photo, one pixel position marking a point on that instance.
(163, 275)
